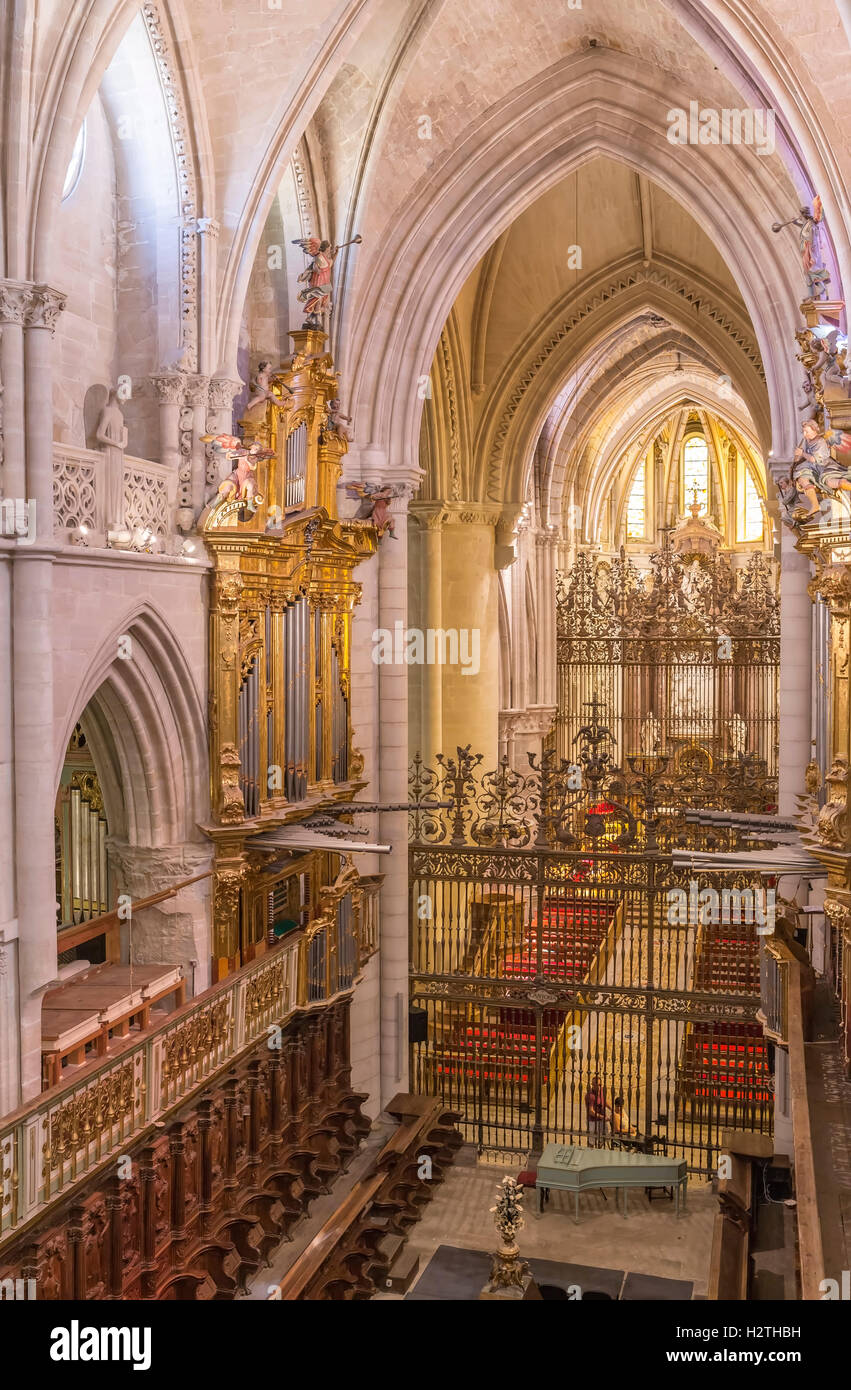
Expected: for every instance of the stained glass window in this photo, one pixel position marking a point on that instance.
(636, 506)
(749, 518)
(696, 471)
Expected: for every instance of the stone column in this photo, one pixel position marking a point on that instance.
(13, 300)
(40, 317)
(197, 394)
(393, 787)
(170, 390)
(208, 240)
(470, 605)
(220, 397)
(546, 544)
(364, 709)
(430, 518)
(795, 672)
(32, 632)
(9, 1040)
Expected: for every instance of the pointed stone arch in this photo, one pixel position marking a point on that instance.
(147, 732)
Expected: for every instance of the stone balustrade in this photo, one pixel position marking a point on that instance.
(79, 493)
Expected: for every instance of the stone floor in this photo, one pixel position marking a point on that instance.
(650, 1241)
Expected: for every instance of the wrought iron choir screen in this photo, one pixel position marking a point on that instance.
(554, 943)
(684, 662)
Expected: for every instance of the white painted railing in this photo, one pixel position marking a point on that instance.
(79, 491)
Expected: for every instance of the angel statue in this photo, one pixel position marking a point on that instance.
(815, 471)
(316, 298)
(375, 506)
(809, 222)
(241, 482)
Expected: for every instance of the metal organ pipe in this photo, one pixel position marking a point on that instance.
(304, 668)
(296, 460)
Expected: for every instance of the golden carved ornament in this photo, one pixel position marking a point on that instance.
(233, 806)
(832, 825)
(196, 1040)
(831, 582)
(86, 1115)
(266, 991)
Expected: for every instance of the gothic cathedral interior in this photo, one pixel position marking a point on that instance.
(425, 701)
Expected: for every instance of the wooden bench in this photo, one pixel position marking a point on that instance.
(100, 1004)
(328, 1240)
(355, 1247)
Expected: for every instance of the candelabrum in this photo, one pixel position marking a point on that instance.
(508, 1271)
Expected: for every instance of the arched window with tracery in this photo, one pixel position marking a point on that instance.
(695, 471)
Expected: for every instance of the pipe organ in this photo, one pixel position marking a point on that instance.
(82, 890)
(280, 637)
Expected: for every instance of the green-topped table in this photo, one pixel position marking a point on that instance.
(575, 1169)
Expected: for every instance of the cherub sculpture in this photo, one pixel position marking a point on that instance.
(241, 482)
(316, 297)
(261, 390)
(375, 506)
(339, 423)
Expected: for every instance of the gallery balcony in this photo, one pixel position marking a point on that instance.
(113, 1097)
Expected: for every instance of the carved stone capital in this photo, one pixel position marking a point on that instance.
(169, 387)
(14, 298)
(547, 537)
(208, 226)
(221, 392)
(429, 516)
(536, 720)
(197, 390)
(43, 307)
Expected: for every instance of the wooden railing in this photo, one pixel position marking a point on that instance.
(66, 1134)
(810, 1245)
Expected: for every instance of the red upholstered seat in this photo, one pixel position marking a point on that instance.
(527, 1178)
